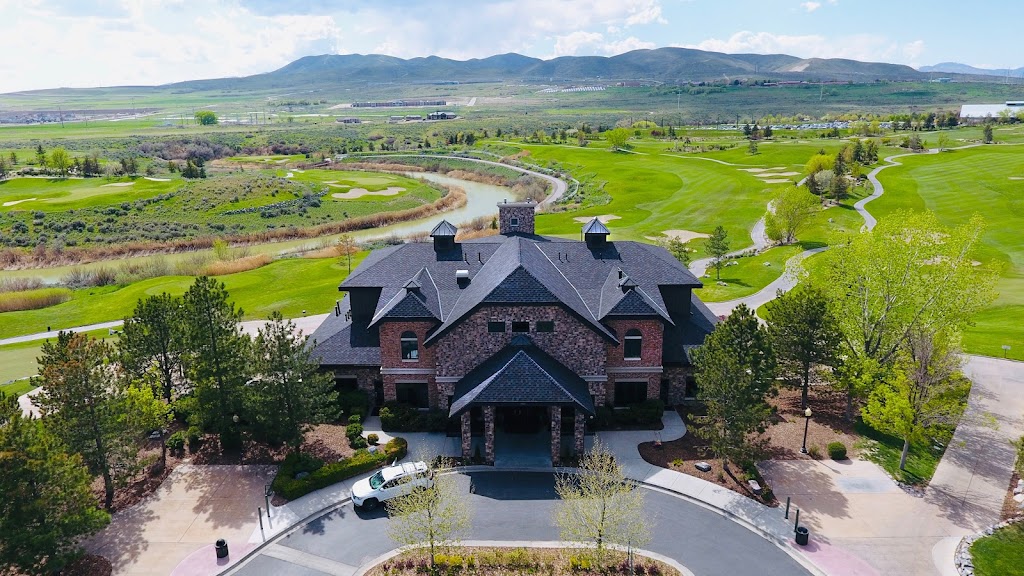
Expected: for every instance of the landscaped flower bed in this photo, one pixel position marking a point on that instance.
(516, 561)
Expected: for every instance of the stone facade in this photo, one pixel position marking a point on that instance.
(520, 213)
(556, 434)
(677, 377)
(572, 343)
(364, 376)
(489, 434)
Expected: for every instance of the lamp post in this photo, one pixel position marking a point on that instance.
(807, 423)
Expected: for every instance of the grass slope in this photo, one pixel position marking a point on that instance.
(956, 185)
(1001, 554)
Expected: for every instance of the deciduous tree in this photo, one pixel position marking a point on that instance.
(599, 505)
(925, 392)
(60, 161)
(46, 506)
(616, 138)
(736, 371)
(790, 210)
(804, 334)
(436, 515)
(987, 134)
(206, 117)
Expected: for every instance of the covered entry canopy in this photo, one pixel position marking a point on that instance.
(521, 374)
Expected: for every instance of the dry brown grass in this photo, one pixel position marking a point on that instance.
(33, 299)
(222, 267)
(20, 284)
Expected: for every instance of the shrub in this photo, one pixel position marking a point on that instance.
(33, 299)
(814, 452)
(323, 475)
(354, 430)
(176, 442)
(195, 437)
(355, 419)
(579, 563)
(372, 438)
(398, 417)
(358, 442)
(837, 451)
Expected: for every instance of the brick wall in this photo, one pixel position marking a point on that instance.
(391, 358)
(653, 332)
(572, 343)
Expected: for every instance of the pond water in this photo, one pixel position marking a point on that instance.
(481, 200)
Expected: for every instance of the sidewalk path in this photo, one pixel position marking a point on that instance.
(54, 333)
(785, 283)
(857, 506)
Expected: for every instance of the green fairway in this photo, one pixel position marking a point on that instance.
(748, 275)
(55, 194)
(18, 361)
(956, 185)
(289, 286)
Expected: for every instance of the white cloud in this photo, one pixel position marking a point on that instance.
(810, 6)
(571, 44)
(864, 47)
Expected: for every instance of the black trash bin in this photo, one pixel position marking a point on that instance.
(222, 548)
(802, 535)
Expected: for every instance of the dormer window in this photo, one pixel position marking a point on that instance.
(633, 345)
(410, 347)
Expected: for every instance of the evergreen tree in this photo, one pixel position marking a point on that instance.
(735, 375)
(290, 393)
(717, 246)
(218, 360)
(152, 338)
(804, 334)
(47, 506)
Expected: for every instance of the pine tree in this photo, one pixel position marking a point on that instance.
(717, 246)
(804, 334)
(152, 338)
(47, 505)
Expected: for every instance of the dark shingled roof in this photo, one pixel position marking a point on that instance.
(444, 228)
(520, 269)
(521, 374)
(595, 226)
(337, 342)
(686, 335)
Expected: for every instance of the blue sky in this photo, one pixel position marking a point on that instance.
(116, 42)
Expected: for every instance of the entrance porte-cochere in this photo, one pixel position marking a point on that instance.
(526, 390)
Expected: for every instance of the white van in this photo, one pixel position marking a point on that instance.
(389, 482)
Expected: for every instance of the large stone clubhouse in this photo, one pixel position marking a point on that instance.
(518, 331)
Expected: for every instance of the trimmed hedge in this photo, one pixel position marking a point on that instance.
(322, 475)
(643, 414)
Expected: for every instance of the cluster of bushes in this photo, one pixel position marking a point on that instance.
(33, 299)
(644, 415)
(398, 417)
(318, 475)
(354, 432)
(193, 437)
(511, 561)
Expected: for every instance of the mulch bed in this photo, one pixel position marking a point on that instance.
(491, 561)
(784, 439)
(1010, 506)
(326, 441)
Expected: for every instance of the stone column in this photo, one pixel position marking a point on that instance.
(556, 434)
(467, 437)
(489, 434)
(579, 428)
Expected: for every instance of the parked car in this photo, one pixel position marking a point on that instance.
(390, 482)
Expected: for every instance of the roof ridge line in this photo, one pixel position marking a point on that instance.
(569, 282)
(652, 302)
(541, 368)
(437, 292)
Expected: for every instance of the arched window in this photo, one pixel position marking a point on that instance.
(410, 347)
(634, 344)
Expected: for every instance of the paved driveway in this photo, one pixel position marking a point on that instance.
(517, 506)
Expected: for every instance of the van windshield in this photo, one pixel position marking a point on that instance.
(376, 480)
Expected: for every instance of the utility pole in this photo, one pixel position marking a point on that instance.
(60, 112)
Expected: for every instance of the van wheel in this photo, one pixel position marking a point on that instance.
(371, 504)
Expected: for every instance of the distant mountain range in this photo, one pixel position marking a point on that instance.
(958, 68)
(662, 65)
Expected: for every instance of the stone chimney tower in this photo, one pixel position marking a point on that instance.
(516, 217)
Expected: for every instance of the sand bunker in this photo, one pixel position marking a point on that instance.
(359, 192)
(289, 175)
(1016, 177)
(334, 184)
(603, 218)
(754, 170)
(681, 235)
(773, 174)
(776, 181)
(118, 184)
(16, 202)
(151, 179)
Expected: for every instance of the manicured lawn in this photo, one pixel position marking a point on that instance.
(956, 185)
(748, 276)
(19, 361)
(885, 450)
(289, 286)
(1001, 554)
(54, 194)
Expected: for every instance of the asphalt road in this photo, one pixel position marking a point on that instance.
(517, 506)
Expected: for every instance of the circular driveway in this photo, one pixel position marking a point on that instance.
(518, 506)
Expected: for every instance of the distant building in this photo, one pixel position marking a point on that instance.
(981, 112)
(395, 118)
(441, 116)
(350, 120)
(942, 80)
(400, 103)
(413, 117)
